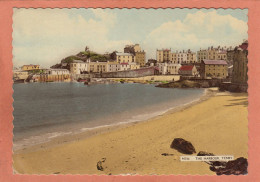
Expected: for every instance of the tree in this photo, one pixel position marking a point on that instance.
(86, 49)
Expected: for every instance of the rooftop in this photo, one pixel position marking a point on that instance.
(186, 67)
(124, 54)
(222, 62)
(58, 69)
(244, 46)
(31, 65)
(78, 61)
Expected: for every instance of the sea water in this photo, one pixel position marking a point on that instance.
(43, 111)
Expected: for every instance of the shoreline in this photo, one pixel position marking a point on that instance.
(137, 149)
(85, 133)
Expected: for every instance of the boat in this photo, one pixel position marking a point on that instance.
(82, 80)
(19, 81)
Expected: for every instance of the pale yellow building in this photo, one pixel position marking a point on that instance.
(222, 55)
(134, 66)
(163, 55)
(140, 58)
(173, 57)
(125, 58)
(113, 66)
(212, 54)
(137, 48)
(137, 52)
(201, 55)
(191, 57)
(97, 67)
(214, 69)
(30, 67)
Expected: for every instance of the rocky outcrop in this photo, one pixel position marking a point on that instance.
(181, 84)
(235, 167)
(183, 146)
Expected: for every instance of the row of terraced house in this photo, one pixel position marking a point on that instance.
(205, 63)
(220, 62)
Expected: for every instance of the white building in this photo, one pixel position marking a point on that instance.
(169, 68)
(20, 74)
(58, 72)
(78, 67)
(124, 66)
(113, 66)
(134, 66)
(181, 57)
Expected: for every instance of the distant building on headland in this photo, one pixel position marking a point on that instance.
(78, 67)
(214, 69)
(30, 67)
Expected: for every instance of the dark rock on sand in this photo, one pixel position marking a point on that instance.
(99, 164)
(183, 146)
(235, 167)
(202, 153)
(166, 154)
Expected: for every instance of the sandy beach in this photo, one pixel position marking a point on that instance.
(216, 124)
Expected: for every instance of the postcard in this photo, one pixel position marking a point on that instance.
(96, 92)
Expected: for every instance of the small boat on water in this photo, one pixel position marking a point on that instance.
(82, 80)
(19, 81)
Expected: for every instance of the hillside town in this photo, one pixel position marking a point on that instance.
(225, 67)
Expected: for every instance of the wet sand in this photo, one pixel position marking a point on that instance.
(217, 124)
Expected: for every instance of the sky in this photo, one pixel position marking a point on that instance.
(45, 36)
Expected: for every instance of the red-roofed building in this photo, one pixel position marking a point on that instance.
(188, 70)
(214, 69)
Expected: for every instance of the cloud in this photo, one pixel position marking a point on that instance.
(46, 36)
(197, 30)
